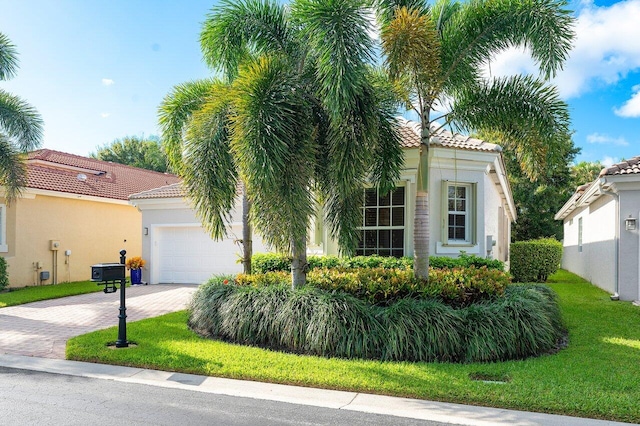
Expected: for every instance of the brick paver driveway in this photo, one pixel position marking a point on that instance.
(42, 328)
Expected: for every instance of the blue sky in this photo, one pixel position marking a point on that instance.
(97, 70)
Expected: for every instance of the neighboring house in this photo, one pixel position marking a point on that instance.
(471, 211)
(601, 232)
(72, 214)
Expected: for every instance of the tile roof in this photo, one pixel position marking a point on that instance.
(69, 173)
(410, 138)
(169, 191)
(628, 167)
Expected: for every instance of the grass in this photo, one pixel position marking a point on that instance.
(33, 294)
(595, 376)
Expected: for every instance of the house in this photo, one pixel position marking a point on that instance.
(601, 233)
(72, 214)
(471, 211)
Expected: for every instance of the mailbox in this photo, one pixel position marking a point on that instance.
(107, 272)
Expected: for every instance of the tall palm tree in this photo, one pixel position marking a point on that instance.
(439, 52)
(20, 126)
(299, 117)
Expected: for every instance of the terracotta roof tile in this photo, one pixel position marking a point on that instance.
(628, 167)
(169, 191)
(69, 173)
(410, 134)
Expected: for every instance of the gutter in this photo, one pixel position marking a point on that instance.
(616, 197)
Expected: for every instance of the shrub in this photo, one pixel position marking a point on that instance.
(457, 287)
(270, 262)
(524, 322)
(535, 260)
(4, 276)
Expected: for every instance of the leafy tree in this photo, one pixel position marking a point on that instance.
(299, 117)
(145, 153)
(20, 126)
(439, 51)
(538, 200)
(585, 172)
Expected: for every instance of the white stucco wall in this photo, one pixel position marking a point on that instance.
(629, 280)
(596, 261)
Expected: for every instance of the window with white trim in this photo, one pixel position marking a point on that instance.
(383, 223)
(459, 213)
(3, 229)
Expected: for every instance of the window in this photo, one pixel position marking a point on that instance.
(580, 234)
(459, 213)
(3, 229)
(383, 223)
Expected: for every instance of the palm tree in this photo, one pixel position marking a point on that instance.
(20, 126)
(300, 117)
(438, 52)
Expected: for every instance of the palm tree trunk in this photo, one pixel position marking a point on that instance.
(421, 236)
(421, 216)
(298, 263)
(247, 242)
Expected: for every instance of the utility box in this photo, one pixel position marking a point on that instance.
(44, 275)
(54, 245)
(107, 272)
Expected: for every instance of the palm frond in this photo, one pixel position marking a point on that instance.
(13, 174)
(209, 172)
(20, 122)
(527, 112)
(175, 112)
(478, 30)
(8, 58)
(237, 30)
(337, 33)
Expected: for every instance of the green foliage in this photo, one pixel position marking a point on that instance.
(145, 153)
(21, 126)
(19, 296)
(4, 275)
(535, 260)
(456, 287)
(267, 262)
(310, 320)
(585, 172)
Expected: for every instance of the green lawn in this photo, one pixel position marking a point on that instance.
(596, 376)
(45, 292)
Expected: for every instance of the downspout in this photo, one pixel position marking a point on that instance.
(616, 275)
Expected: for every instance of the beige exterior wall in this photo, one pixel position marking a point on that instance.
(95, 231)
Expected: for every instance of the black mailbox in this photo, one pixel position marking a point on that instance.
(107, 272)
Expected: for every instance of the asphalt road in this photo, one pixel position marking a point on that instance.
(35, 398)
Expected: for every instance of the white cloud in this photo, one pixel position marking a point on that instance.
(606, 49)
(105, 114)
(107, 82)
(631, 108)
(606, 140)
(609, 161)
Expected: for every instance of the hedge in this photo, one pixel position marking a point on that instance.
(524, 322)
(270, 262)
(456, 287)
(535, 260)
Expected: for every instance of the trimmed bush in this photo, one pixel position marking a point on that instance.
(4, 276)
(524, 322)
(533, 261)
(271, 262)
(456, 287)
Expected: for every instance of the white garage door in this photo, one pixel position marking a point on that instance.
(186, 254)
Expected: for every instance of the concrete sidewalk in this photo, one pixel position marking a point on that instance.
(42, 329)
(401, 407)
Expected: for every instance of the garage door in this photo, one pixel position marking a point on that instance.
(188, 255)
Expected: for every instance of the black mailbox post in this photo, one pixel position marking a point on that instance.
(110, 274)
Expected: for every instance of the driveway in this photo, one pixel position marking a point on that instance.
(42, 329)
